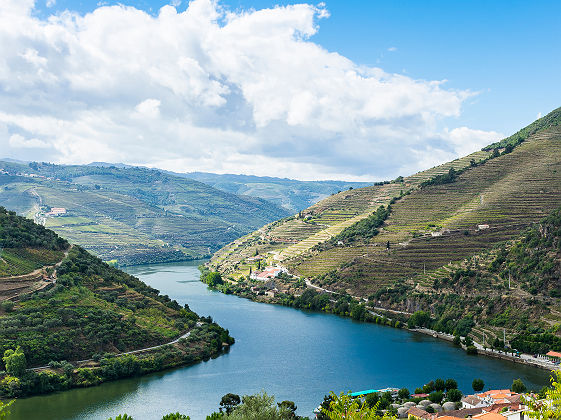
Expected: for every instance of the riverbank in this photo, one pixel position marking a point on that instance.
(282, 291)
(206, 340)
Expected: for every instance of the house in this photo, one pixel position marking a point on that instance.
(419, 395)
(437, 233)
(482, 227)
(268, 273)
(474, 401)
(56, 211)
(489, 416)
(270, 293)
(415, 413)
(554, 355)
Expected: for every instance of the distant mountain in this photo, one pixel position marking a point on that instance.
(134, 215)
(290, 194)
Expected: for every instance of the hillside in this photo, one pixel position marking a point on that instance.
(438, 220)
(132, 215)
(80, 309)
(289, 194)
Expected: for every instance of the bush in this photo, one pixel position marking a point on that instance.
(478, 385)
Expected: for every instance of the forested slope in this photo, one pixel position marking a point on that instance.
(88, 310)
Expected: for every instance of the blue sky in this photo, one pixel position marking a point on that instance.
(508, 51)
(338, 89)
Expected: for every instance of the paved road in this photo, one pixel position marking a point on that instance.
(187, 334)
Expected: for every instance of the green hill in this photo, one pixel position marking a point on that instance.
(439, 220)
(289, 194)
(133, 215)
(83, 311)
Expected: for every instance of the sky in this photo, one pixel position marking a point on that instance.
(354, 90)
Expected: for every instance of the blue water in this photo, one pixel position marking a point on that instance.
(291, 354)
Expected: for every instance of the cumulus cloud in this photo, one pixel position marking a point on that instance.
(213, 90)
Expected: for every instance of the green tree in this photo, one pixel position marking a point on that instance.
(403, 393)
(518, 386)
(176, 416)
(213, 279)
(436, 396)
(372, 399)
(428, 387)
(478, 385)
(122, 417)
(537, 409)
(229, 402)
(344, 407)
(288, 406)
(4, 409)
(215, 416)
(418, 319)
(454, 395)
(15, 362)
(450, 384)
(439, 384)
(259, 407)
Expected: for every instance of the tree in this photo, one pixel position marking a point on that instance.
(213, 279)
(229, 402)
(518, 386)
(403, 393)
(372, 399)
(176, 416)
(4, 412)
(550, 406)
(439, 384)
(344, 407)
(122, 417)
(418, 319)
(15, 362)
(478, 385)
(215, 416)
(259, 407)
(288, 406)
(436, 396)
(428, 387)
(450, 384)
(454, 395)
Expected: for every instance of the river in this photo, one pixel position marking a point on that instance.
(294, 355)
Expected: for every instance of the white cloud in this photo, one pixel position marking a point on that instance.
(392, 49)
(18, 141)
(149, 108)
(214, 90)
(50, 3)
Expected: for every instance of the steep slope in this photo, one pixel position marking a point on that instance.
(290, 194)
(423, 249)
(133, 215)
(85, 308)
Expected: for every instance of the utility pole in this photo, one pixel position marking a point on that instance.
(509, 280)
(504, 337)
(483, 339)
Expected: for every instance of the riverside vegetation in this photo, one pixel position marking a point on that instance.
(469, 248)
(79, 326)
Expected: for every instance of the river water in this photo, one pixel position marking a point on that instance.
(294, 355)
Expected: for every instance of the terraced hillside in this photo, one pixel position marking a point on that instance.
(474, 243)
(507, 188)
(132, 215)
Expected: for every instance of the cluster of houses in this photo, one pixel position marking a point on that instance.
(497, 404)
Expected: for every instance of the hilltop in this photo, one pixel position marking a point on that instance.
(290, 194)
(132, 215)
(80, 310)
(412, 253)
